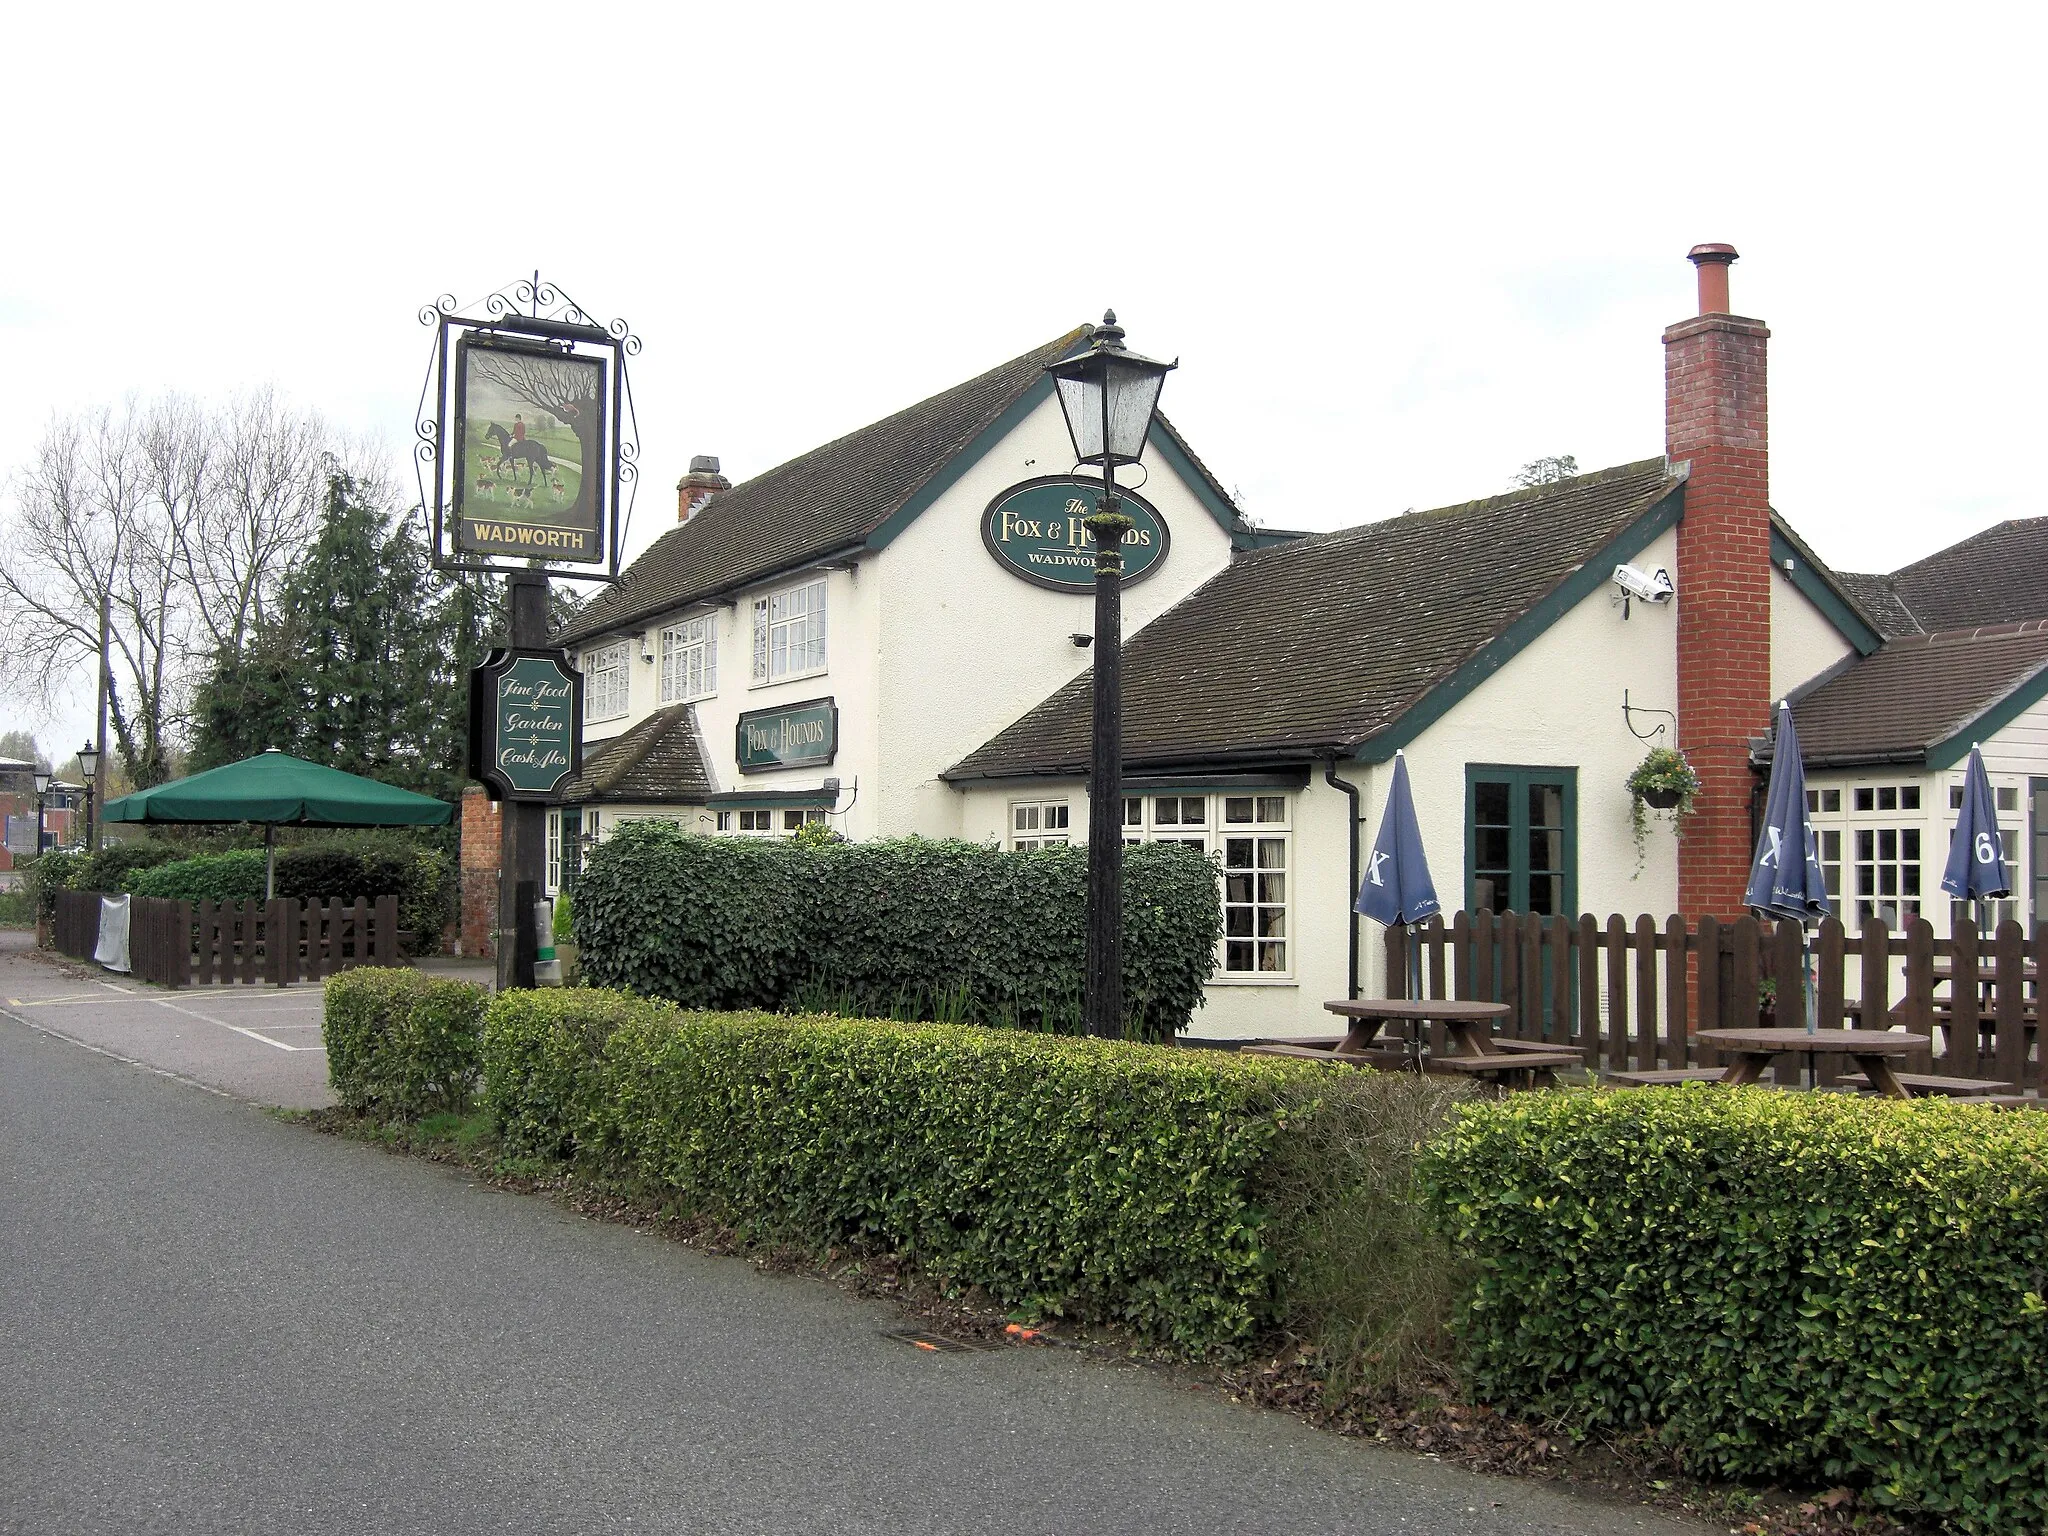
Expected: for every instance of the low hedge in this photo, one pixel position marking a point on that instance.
(400, 1044)
(905, 928)
(1085, 1177)
(1779, 1285)
(236, 876)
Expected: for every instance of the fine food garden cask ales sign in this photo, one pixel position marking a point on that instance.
(796, 736)
(1038, 530)
(525, 723)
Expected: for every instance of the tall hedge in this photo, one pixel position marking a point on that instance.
(235, 876)
(1780, 1285)
(1095, 1178)
(906, 928)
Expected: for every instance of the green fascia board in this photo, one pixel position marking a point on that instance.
(944, 478)
(1590, 577)
(1822, 593)
(1952, 749)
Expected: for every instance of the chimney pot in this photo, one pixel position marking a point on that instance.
(704, 464)
(1713, 261)
(699, 486)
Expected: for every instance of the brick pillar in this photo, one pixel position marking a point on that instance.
(480, 843)
(1715, 416)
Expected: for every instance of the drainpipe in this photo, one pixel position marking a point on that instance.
(1351, 792)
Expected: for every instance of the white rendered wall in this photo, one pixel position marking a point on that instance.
(967, 647)
(1804, 641)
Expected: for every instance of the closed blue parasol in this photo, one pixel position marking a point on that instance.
(1397, 887)
(1785, 879)
(1976, 853)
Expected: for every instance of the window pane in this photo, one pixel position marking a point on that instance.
(1909, 879)
(1909, 797)
(1546, 850)
(1887, 798)
(1237, 809)
(1813, 800)
(1194, 811)
(1237, 922)
(1134, 812)
(1272, 853)
(1272, 808)
(791, 820)
(1166, 811)
(2008, 797)
(1909, 843)
(1272, 957)
(1866, 798)
(1546, 805)
(1056, 817)
(1237, 853)
(1491, 844)
(1490, 804)
(1237, 888)
(1831, 799)
(1866, 843)
(1027, 818)
(1272, 923)
(1546, 894)
(1272, 888)
(1237, 956)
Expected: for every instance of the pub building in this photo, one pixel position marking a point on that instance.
(890, 635)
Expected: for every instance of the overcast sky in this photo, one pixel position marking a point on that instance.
(1399, 251)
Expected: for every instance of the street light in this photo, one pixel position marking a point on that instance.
(1108, 395)
(89, 769)
(42, 778)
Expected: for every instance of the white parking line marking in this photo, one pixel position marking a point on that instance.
(238, 1029)
(45, 1002)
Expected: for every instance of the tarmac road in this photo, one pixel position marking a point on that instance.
(213, 1321)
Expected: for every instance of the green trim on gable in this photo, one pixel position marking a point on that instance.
(1581, 584)
(1200, 484)
(1951, 750)
(1821, 592)
(946, 475)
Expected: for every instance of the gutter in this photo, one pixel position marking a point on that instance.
(1351, 792)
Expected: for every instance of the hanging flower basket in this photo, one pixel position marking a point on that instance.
(1663, 782)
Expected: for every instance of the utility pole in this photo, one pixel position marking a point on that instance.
(523, 824)
(93, 791)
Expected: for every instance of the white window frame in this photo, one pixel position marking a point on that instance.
(612, 698)
(689, 660)
(1168, 818)
(774, 620)
(1039, 824)
(554, 874)
(767, 820)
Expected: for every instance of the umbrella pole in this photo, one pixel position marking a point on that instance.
(269, 863)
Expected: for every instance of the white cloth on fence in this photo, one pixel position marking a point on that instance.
(112, 949)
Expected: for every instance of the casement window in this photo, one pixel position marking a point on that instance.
(1521, 838)
(1251, 836)
(554, 876)
(1039, 824)
(689, 660)
(606, 690)
(764, 822)
(1871, 840)
(789, 633)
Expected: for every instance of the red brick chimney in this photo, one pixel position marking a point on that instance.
(699, 486)
(1715, 417)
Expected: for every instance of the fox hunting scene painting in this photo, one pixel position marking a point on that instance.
(531, 435)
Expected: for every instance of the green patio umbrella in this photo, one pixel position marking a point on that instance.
(276, 789)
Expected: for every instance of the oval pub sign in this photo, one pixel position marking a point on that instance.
(1039, 531)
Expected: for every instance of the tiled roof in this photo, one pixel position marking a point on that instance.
(1325, 642)
(1998, 576)
(1878, 598)
(817, 504)
(1917, 692)
(660, 761)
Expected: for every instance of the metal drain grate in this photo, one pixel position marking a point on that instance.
(936, 1343)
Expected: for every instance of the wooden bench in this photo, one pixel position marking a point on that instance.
(1498, 1065)
(1662, 1076)
(1924, 1085)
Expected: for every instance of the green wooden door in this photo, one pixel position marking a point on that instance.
(1522, 835)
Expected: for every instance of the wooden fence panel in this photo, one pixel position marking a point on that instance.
(1920, 990)
(1588, 940)
(387, 954)
(1617, 993)
(1739, 1007)
(1508, 957)
(1646, 993)
(1529, 1012)
(1707, 960)
(1788, 990)
(1674, 991)
(2009, 1049)
(1560, 931)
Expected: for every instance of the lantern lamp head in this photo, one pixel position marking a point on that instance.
(89, 762)
(42, 778)
(1108, 394)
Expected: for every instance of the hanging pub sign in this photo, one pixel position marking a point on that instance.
(525, 723)
(526, 432)
(1038, 530)
(796, 736)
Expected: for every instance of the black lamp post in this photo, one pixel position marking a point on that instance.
(1108, 395)
(89, 770)
(42, 779)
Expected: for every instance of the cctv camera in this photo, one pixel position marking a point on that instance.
(1647, 586)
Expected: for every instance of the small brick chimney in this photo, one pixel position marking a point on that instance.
(699, 486)
(1715, 416)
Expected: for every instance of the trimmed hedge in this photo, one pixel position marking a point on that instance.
(1777, 1284)
(1086, 1177)
(905, 928)
(399, 1044)
(236, 876)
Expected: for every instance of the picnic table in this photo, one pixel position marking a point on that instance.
(1871, 1049)
(1475, 1052)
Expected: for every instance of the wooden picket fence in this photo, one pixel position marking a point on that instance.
(1630, 996)
(187, 943)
